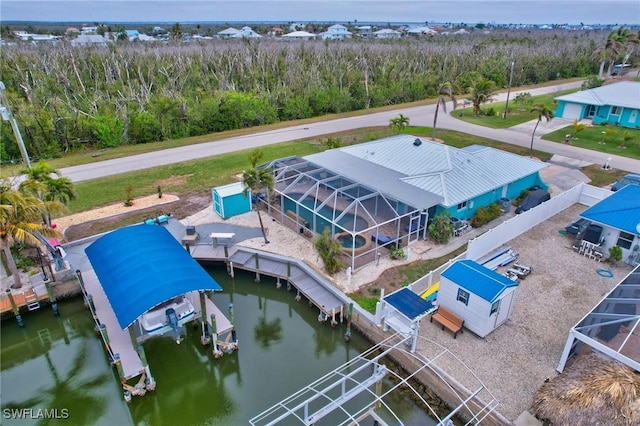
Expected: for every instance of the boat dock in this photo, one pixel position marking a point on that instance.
(119, 340)
(306, 280)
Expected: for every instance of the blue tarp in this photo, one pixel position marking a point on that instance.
(408, 303)
(142, 266)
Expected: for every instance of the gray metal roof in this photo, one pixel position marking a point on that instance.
(375, 176)
(455, 175)
(623, 94)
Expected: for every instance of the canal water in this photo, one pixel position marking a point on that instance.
(55, 370)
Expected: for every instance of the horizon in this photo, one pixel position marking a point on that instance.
(488, 12)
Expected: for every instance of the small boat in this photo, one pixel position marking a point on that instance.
(167, 316)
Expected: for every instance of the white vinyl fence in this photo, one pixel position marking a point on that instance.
(584, 194)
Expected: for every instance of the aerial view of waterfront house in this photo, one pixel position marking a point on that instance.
(617, 104)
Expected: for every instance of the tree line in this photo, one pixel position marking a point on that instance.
(70, 99)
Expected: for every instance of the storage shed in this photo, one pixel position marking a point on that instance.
(230, 200)
(480, 296)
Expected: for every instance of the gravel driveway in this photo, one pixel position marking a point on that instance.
(515, 359)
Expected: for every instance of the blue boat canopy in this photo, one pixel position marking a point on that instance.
(408, 303)
(142, 266)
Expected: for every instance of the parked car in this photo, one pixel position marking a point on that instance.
(630, 179)
(535, 198)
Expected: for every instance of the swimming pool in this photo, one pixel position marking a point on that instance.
(348, 221)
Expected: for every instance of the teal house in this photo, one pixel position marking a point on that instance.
(617, 104)
(230, 200)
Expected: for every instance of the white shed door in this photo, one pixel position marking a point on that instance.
(572, 111)
(504, 309)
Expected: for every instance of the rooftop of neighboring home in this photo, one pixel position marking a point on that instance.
(621, 210)
(624, 94)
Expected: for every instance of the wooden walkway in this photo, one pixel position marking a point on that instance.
(119, 339)
(309, 282)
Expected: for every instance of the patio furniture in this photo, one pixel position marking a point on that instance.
(381, 239)
(448, 319)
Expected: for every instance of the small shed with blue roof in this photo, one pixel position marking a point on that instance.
(619, 216)
(480, 296)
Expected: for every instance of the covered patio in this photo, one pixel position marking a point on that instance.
(310, 198)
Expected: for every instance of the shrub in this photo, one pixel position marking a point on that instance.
(486, 214)
(441, 229)
(615, 254)
(128, 200)
(518, 200)
(396, 252)
(329, 251)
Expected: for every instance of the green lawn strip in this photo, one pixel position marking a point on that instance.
(591, 138)
(515, 116)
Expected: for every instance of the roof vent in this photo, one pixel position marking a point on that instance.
(417, 142)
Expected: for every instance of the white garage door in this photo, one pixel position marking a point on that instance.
(572, 111)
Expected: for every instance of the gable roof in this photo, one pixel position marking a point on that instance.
(142, 266)
(621, 210)
(478, 279)
(454, 174)
(623, 94)
(229, 31)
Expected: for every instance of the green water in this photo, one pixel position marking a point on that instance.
(60, 364)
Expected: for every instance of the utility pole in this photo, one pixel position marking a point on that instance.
(7, 116)
(506, 106)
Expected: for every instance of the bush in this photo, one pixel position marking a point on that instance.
(329, 251)
(615, 254)
(517, 201)
(441, 229)
(486, 214)
(396, 252)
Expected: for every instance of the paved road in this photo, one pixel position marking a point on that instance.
(421, 116)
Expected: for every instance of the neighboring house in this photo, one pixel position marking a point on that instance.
(229, 32)
(299, 35)
(89, 30)
(421, 31)
(619, 217)
(144, 37)
(132, 34)
(617, 103)
(336, 32)
(463, 179)
(387, 33)
(72, 31)
(483, 298)
(89, 39)
(246, 32)
(276, 32)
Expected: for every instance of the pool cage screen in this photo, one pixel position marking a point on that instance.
(311, 199)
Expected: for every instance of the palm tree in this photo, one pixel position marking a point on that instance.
(399, 123)
(20, 222)
(445, 89)
(254, 179)
(45, 183)
(481, 91)
(543, 112)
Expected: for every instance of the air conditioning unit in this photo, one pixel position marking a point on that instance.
(191, 230)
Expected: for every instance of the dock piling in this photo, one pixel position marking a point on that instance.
(233, 330)
(214, 337)
(347, 334)
(80, 280)
(15, 308)
(52, 297)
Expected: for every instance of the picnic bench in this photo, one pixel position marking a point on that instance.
(447, 319)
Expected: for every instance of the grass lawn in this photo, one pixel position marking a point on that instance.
(516, 115)
(591, 138)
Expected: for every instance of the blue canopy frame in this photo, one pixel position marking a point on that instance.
(141, 266)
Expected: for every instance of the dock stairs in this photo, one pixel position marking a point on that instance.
(32, 300)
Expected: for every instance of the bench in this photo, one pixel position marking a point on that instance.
(448, 319)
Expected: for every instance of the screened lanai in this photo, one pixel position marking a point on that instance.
(612, 328)
(311, 199)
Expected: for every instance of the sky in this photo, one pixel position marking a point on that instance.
(467, 11)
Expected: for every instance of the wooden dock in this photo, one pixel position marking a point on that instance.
(30, 295)
(304, 278)
(119, 339)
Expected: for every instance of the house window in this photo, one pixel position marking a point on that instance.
(463, 296)
(616, 110)
(591, 110)
(494, 307)
(462, 205)
(625, 240)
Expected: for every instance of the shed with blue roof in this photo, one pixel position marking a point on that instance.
(480, 296)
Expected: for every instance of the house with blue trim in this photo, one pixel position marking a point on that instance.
(616, 104)
(483, 298)
(619, 217)
(463, 179)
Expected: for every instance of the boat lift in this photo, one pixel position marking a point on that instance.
(354, 393)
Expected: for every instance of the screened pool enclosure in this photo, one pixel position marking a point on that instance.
(310, 199)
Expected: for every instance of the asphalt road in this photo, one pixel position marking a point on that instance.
(420, 116)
